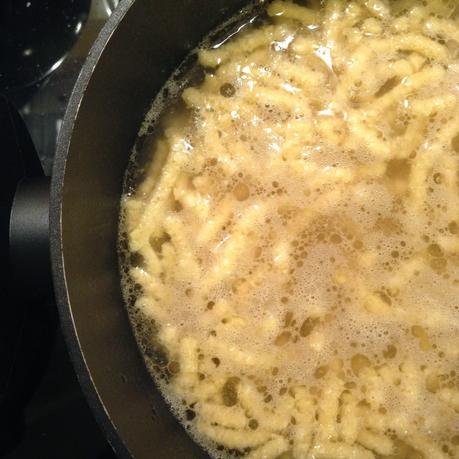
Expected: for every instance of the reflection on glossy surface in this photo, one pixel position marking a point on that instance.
(35, 36)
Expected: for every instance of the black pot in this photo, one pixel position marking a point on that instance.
(140, 46)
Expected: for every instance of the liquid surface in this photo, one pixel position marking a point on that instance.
(294, 267)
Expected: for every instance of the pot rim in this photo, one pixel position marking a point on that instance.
(55, 233)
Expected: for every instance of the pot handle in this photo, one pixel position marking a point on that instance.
(29, 235)
(24, 209)
(28, 316)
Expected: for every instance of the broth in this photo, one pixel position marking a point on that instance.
(291, 234)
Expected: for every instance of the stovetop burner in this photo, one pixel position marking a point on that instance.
(50, 418)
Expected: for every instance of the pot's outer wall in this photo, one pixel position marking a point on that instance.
(137, 50)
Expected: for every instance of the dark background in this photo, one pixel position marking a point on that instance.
(43, 45)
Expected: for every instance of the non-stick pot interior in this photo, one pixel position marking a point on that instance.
(136, 52)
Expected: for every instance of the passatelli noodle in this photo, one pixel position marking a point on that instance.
(295, 240)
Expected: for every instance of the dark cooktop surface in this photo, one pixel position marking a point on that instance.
(40, 64)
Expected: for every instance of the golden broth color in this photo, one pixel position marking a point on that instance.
(295, 240)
